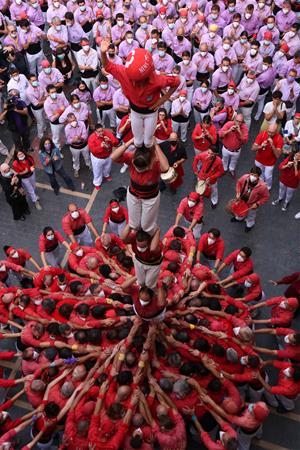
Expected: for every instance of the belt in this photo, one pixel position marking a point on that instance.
(79, 230)
(232, 151)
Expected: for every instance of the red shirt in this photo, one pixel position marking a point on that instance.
(203, 143)
(294, 289)
(240, 268)
(127, 134)
(45, 245)
(148, 311)
(212, 167)
(99, 146)
(21, 166)
(74, 260)
(233, 141)
(196, 212)
(279, 316)
(288, 176)
(148, 257)
(69, 225)
(23, 256)
(146, 95)
(160, 133)
(116, 217)
(8, 266)
(259, 193)
(212, 251)
(266, 156)
(285, 386)
(115, 241)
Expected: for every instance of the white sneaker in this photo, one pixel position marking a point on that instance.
(276, 202)
(284, 207)
(297, 216)
(38, 205)
(124, 168)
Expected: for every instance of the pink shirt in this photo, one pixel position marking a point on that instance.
(51, 107)
(81, 113)
(203, 63)
(53, 78)
(72, 133)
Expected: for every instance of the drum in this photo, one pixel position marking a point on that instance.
(238, 207)
(203, 188)
(169, 176)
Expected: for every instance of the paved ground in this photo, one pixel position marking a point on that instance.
(275, 242)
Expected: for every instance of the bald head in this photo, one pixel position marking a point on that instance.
(203, 48)
(37, 386)
(123, 392)
(106, 239)
(72, 207)
(67, 389)
(161, 411)
(79, 372)
(137, 420)
(92, 263)
(272, 129)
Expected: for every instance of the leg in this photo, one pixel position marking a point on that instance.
(289, 195)
(53, 181)
(225, 158)
(113, 227)
(107, 167)
(269, 176)
(97, 165)
(197, 116)
(55, 257)
(150, 121)
(260, 105)
(86, 155)
(85, 237)
(68, 180)
(121, 227)
(251, 217)
(152, 273)
(197, 230)
(134, 206)
(40, 121)
(282, 191)
(175, 126)
(149, 214)
(137, 126)
(75, 158)
(139, 272)
(234, 157)
(214, 193)
(112, 118)
(29, 187)
(183, 132)
(3, 149)
(55, 135)
(262, 167)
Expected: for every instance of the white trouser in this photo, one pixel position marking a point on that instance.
(101, 168)
(237, 71)
(247, 112)
(230, 159)
(29, 186)
(245, 440)
(249, 219)
(40, 118)
(266, 173)
(146, 275)
(55, 257)
(285, 193)
(57, 133)
(190, 92)
(3, 149)
(116, 228)
(143, 127)
(214, 196)
(34, 62)
(260, 105)
(76, 152)
(107, 114)
(196, 230)
(156, 319)
(183, 127)
(290, 112)
(84, 238)
(91, 83)
(143, 213)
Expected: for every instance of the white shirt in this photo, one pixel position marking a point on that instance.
(88, 59)
(269, 107)
(20, 86)
(292, 129)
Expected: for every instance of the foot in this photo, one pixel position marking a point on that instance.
(89, 166)
(76, 173)
(22, 218)
(109, 178)
(276, 202)
(27, 212)
(56, 192)
(98, 188)
(213, 205)
(281, 409)
(248, 229)
(232, 173)
(233, 219)
(183, 141)
(38, 205)
(284, 207)
(256, 117)
(297, 216)
(123, 168)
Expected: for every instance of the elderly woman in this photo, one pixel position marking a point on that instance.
(14, 193)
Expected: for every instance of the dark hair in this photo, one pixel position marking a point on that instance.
(253, 361)
(202, 345)
(215, 231)
(51, 410)
(112, 335)
(53, 328)
(69, 15)
(142, 157)
(175, 244)
(49, 305)
(81, 337)
(214, 385)
(82, 309)
(277, 94)
(247, 251)
(65, 353)
(124, 378)
(115, 411)
(24, 23)
(296, 373)
(187, 368)
(94, 336)
(256, 170)
(98, 311)
(136, 441)
(42, 145)
(182, 336)
(65, 310)
(179, 232)
(75, 286)
(218, 350)
(50, 353)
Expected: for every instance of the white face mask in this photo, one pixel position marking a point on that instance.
(15, 255)
(191, 204)
(267, 42)
(221, 434)
(286, 339)
(240, 258)
(200, 24)
(162, 16)
(236, 330)
(37, 302)
(143, 303)
(282, 305)
(226, 46)
(253, 51)
(287, 372)
(292, 34)
(62, 287)
(50, 237)
(35, 355)
(249, 80)
(244, 360)
(280, 53)
(153, 41)
(270, 26)
(210, 241)
(247, 284)
(247, 16)
(185, 61)
(203, 89)
(58, 27)
(141, 249)
(265, 67)
(261, 5)
(252, 178)
(21, 158)
(116, 209)
(212, 34)
(2, 268)
(230, 91)
(8, 174)
(285, 10)
(203, 54)
(182, 98)
(56, 4)
(101, 294)
(75, 214)
(129, 41)
(73, 123)
(53, 95)
(120, 23)
(183, 20)
(251, 407)
(79, 252)
(225, 68)
(86, 48)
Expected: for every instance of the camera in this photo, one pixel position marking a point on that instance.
(11, 103)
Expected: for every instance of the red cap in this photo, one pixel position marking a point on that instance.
(268, 35)
(110, 314)
(284, 47)
(8, 250)
(292, 302)
(45, 63)
(261, 411)
(183, 12)
(194, 196)
(232, 84)
(171, 255)
(23, 15)
(74, 246)
(114, 205)
(194, 6)
(99, 13)
(139, 64)
(201, 18)
(162, 10)
(183, 92)
(297, 115)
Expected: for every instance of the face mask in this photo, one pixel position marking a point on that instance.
(252, 178)
(4, 415)
(129, 41)
(18, 2)
(280, 53)
(53, 95)
(47, 70)
(282, 305)
(50, 237)
(21, 158)
(15, 255)
(162, 16)
(250, 407)
(212, 34)
(35, 355)
(265, 67)
(171, 25)
(103, 86)
(225, 68)
(86, 48)
(203, 89)
(214, 16)
(73, 123)
(244, 360)
(210, 241)
(270, 26)
(247, 16)
(236, 330)
(249, 80)
(186, 62)
(285, 11)
(13, 35)
(58, 27)
(116, 209)
(120, 23)
(62, 287)
(61, 56)
(231, 9)
(243, 41)
(183, 20)
(266, 42)
(203, 54)
(287, 372)
(100, 4)
(240, 258)
(143, 303)
(182, 98)
(161, 53)
(165, 2)
(153, 41)
(144, 4)
(200, 24)
(290, 79)
(16, 78)
(191, 204)
(286, 339)
(75, 214)
(56, 4)
(253, 52)
(292, 34)
(79, 252)
(226, 46)
(35, 83)
(144, 26)
(180, 38)
(141, 249)
(230, 91)
(247, 284)
(261, 5)
(82, 8)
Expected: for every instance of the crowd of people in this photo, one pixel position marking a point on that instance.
(128, 339)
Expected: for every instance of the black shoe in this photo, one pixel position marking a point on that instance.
(247, 229)
(233, 219)
(281, 409)
(213, 206)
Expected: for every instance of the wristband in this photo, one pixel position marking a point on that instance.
(141, 364)
(214, 270)
(121, 356)
(74, 347)
(109, 301)
(192, 327)
(193, 417)
(100, 396)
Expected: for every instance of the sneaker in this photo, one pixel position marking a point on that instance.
(89, 166)
(38, 205)
(76, 173)
(256, 118)
(232, 173)
(109, 178)
(213, 205)
(248, 229)
(276, 202)
(297, 216)
(233, 219)
(98, 188)
(124, 168)
(284, 207)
